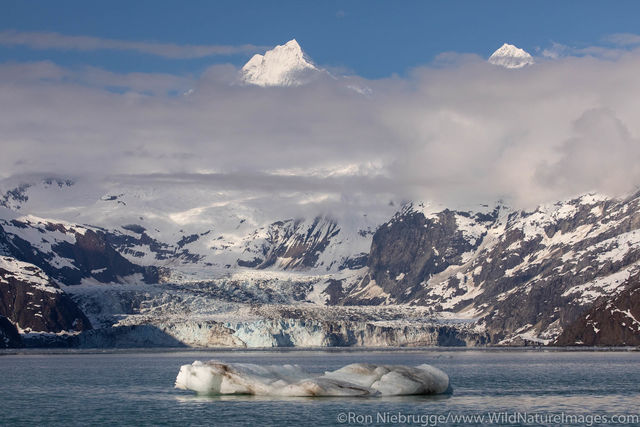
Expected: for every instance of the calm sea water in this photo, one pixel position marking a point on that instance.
(137, 389)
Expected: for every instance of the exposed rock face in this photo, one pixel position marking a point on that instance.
(9, 336)
(411, 248)
(30, 300)
(615, 322)
(95, 257)
(523, 275)
(14, 197)
(294, 244)
(68, 253)
(130, 245)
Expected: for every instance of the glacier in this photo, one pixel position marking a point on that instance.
(357, 379)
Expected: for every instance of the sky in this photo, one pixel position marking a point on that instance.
(371, 38)
(99, 88)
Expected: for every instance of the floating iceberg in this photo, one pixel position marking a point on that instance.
(358, 379)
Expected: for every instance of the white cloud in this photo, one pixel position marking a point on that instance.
(50, 40)
(597, 156)
(623, 39)
(459, 133)
(556, 50)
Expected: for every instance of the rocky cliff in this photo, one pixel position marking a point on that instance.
(67, 252)
(9, 335)
(524, 276)
(33, 303)
(611, 322)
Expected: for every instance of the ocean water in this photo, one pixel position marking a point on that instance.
(508, 387)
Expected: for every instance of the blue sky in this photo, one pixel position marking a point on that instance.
(370, 38)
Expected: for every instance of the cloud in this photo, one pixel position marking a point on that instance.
(51, 40)
(596, 156)
(457, 132)
(556, 50)
(623, 39)
(41, 72)
(559, 50)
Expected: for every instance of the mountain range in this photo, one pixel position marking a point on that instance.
(83, 265)
(187, 261)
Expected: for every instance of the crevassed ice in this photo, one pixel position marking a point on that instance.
(358, 379)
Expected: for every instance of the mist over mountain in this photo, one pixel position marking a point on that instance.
(469, 132)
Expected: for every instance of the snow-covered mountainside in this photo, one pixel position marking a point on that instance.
(196, 226)
(510, 56)
(521, 275)
(284, 65)
(33, 303)
(150, 263)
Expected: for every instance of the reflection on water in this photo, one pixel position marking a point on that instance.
(200, 398)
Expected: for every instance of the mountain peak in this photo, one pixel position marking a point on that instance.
(283, 65)
(293, 44)
(510, 56)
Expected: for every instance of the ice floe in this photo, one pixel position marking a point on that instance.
(358, 379)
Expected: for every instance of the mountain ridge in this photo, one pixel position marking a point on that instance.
(495, 276)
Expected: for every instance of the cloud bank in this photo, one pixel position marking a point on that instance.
(460, 133)
(50, 40)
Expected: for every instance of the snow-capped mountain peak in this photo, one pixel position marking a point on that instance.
(284, 65)
(510, 56)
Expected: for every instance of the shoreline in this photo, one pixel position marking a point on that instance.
(275, 350)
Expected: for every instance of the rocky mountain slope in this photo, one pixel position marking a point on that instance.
(9, 335)
(201, 271)
(523, 275)
(33, 303)
(610, 322)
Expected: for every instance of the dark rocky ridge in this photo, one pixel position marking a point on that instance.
(521, 273)
(612, 322)
(415, 248)
(294, 245)
(91, 255)
(38, 308)
(124, 243)
(9, 336)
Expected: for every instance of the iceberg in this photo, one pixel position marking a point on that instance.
(358, 379)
